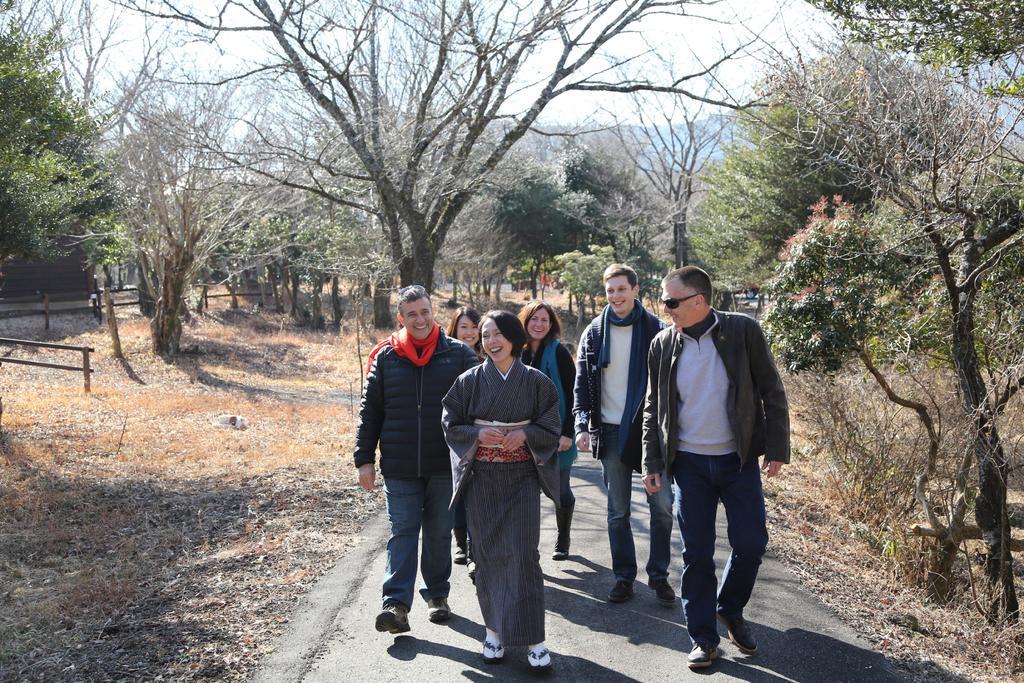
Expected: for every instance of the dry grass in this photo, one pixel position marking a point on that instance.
(139, 540)
(838, 558)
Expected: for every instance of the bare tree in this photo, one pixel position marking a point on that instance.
(946, 155)
(106, 63)
(672, 140)
(429, 96)
(109, 67)
(184, 203)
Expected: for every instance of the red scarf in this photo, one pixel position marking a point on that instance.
(416, 351)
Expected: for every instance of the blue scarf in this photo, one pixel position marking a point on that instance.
(640, 343)
(549, 366)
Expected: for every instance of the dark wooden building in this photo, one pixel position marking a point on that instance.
(66, 274)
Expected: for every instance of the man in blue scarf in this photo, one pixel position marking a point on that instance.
(611, 382)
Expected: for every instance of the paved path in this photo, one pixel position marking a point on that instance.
(332, 638)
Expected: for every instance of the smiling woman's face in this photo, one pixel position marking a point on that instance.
(538, 325)
(497, 348)
(467, 331)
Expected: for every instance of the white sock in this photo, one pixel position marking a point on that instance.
(539, 655)
(493, 637)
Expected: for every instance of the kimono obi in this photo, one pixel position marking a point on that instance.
(500, 453)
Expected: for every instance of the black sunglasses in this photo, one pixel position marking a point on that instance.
(674, 303)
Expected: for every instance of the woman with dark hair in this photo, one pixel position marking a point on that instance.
(501, 423)
(544, 352)
(464, 326)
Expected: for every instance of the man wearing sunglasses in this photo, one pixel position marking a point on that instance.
(715, 405)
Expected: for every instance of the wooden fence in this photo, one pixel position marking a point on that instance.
(41, 305)
(85, 368)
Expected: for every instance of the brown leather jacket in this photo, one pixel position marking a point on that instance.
(757, 407)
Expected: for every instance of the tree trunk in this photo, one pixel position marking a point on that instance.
(286, 293)
(317, 303)
(147, 302)
(939, 558)
(993, 467)
(263, 290)
(499, 279)
(166, 323)
(357, 304)
(272, 279)
(681, 238)
(108, 303)
(486, 284)
(422, 271)
(455, 286)
(296, 286)
(232, 283)
(382, 317)
(336, 311)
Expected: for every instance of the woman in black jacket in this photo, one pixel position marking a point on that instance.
(544, 352)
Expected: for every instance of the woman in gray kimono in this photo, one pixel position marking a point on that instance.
(502, 426)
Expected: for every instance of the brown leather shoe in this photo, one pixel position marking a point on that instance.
(621, 591)
(666, 596)
(739, 634)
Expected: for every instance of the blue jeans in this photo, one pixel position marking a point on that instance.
(412, 504)
(618, 481)
(703, 480)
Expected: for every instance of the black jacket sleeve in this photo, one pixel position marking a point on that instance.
(371, 416)
(773, 394)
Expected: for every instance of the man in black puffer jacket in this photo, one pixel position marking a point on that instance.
(408, 375)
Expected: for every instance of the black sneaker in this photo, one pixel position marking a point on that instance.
(621, 591)
(394, 618)
(739, 634)
(438, 610)
(666, 596)
(701, 657)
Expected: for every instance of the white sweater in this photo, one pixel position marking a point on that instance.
(615, 377)
(703, 387)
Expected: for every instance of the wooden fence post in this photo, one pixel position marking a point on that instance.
(85, 368)
(46, 312)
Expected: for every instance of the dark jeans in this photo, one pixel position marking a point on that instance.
(412, 504)
(459, 514)
(618, 481)
(702, 481)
